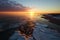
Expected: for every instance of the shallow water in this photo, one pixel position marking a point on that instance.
(40, 31)
(43, 33)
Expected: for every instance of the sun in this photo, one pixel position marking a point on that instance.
(31, 13)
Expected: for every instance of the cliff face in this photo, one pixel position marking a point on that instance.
(9, 5)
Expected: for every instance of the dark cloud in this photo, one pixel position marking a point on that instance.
(7, 5)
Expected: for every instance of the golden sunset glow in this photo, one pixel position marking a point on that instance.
(31, 14)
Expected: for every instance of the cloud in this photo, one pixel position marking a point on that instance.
(7, 5)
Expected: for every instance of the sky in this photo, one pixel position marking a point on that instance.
(42, 5)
